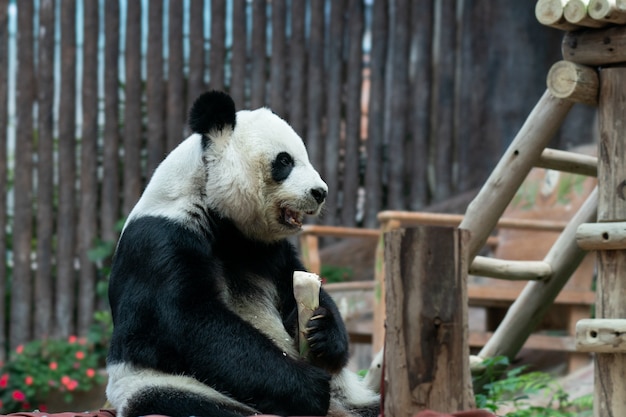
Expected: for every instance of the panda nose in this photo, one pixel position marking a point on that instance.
(319, 194)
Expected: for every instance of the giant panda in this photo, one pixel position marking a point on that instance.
(201, 287)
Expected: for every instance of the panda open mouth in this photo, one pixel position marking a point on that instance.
(291, 218)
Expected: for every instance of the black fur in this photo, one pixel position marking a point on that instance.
(282, 166)
(165, 294)
(212, 112)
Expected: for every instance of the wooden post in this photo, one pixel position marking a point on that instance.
(426, 344)
(610, 385)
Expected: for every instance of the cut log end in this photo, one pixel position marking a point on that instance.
(574, 82)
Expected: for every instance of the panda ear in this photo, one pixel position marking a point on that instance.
(212, 111)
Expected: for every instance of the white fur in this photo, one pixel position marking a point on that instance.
(235, 175)
(126, 381)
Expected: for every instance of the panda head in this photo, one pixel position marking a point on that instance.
(255, 168)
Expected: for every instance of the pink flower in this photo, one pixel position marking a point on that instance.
(18, 395)
(71, 386)
(90, 373)
(65, 380)
(28, 380)
(43, 408)
(53, 366)
(72, 339)
(4, 380)
(80, 355)
(82, 341)
(19, 349)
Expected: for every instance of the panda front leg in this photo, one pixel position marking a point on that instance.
(327, 336)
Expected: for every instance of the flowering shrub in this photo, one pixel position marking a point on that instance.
(42, 368)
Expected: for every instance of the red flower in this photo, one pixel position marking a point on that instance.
(65, 380)
(53, 366)
(28, 380)
(18, 395)
(19, 349)
(80, 355)
(43, 408)
(4, 380)
(72, 339)
(90, 373)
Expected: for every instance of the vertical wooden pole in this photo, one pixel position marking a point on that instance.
(426, 350)
(610, 385)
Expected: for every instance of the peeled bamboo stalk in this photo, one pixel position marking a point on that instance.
(306, 290)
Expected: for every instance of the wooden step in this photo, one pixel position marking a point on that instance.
(510, 270)
(601, 335)
(572, 162)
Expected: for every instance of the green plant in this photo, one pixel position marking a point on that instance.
(332, 274)
(41, 368)
(527, 394)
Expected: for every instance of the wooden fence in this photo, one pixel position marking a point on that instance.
(401, 104)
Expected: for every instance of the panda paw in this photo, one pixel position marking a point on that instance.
(328, 341)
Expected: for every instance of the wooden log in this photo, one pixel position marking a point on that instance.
(595, 47)
(575, 12)
(510, 270)
(550, 13)
(484, 211)
(602, 236)
(568, 162)
(609, 381)
(426, 345)
(415, 218)
(537, 296)
(574, 82)
(611, 11)
(601, 335)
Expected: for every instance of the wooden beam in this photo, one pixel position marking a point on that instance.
(487, 207)
(609, 383)
(535, 341)
(602, 236)
(568, 162)
(337, 231)
(575, 12)
(426, 343)
(483, 295)
(601, 335)
(595, 47)
(413, 218)
(510, 270)
(550, 13)
(610, 11)
(574, 82)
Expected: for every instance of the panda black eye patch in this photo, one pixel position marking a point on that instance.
(282, 166)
